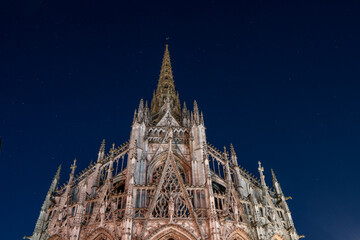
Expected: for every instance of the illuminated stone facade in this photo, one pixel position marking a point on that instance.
(166, 182)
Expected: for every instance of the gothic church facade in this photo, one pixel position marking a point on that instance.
(167, 182)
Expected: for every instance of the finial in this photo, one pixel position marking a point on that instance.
(135, 118)
(102, 147)
(184, 107)
(141, 105)
(225, 153)
(196, 109)
(261, 169)
(262, 177)
(73, 167)
(232, 149)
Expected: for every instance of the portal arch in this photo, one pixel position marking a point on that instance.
(173, 231)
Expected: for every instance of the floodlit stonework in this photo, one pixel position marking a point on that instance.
(167, 182)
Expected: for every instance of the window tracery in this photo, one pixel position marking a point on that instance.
(157, 174)
(171, 200)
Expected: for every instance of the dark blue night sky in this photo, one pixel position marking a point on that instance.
(279, 80)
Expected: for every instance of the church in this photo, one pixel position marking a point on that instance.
(166, 183)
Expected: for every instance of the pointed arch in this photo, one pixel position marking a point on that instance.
(55, 237)
(238, 234)
(100, 234)
(277, 237)
(171, 231)
(156, 165)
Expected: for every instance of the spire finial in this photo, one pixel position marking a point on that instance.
(262, 177)
(226, 153)
(261, 169)
(102, 147)
(73, 167)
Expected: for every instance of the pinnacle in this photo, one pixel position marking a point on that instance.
(196, 109)
(185, 106)
(273, 176)
(57, 175)
(103, 144)
(232, 149)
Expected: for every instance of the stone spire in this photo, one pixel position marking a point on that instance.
(165, 92)
(40, 224)
(166, 79)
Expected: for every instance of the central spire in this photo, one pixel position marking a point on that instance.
(166, 79)
(165, 95)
